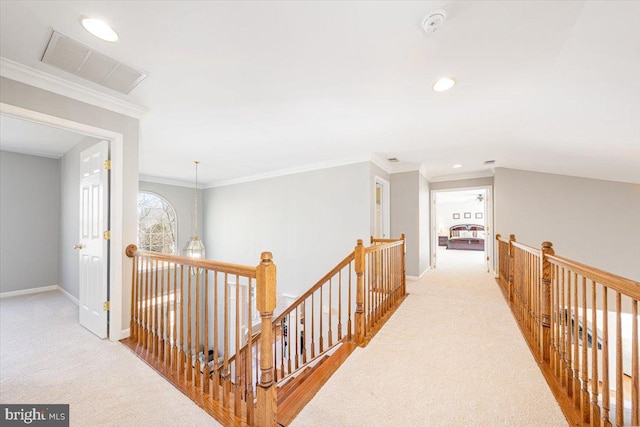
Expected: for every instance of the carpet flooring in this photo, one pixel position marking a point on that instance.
(47, 357)
(451, 355)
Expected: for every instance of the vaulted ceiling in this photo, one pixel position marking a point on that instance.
(252, 88)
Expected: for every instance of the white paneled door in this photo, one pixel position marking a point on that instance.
(94, 243)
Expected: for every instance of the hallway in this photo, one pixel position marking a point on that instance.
(452, 355)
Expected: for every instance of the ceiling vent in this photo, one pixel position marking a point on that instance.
(73, 57)
(393, 160)
(489, 162)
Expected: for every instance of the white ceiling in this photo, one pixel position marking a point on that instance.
(250, 88)
(36, 139)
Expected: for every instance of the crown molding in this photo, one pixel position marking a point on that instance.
(165, 181)
(292, 171)
(30, 76)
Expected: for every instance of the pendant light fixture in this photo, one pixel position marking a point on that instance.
(195, 248)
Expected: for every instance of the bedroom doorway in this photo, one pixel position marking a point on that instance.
(461, 224)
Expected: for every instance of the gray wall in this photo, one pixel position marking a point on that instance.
(309, 221)
(591, 221)
(182, 199)
(409, 215)
(29, 221)
(32, 98)
(70, 216)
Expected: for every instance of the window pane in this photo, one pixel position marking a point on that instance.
(156, 224)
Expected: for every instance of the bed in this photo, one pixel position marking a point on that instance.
(468, 237)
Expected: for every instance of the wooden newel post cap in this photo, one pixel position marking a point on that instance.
(360, 242)
(547, 247)
(131, 250)
(402, 236)
(266, 284)
(498, 236)
(512, 237)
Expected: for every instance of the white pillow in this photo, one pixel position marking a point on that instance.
(466, 234)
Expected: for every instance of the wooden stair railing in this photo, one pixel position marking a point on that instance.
(188, 317)
(581, 324)
(192, 320)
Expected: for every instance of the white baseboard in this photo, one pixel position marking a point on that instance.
(68, 295)
(420, 276)
(125, 333)
(28, 291)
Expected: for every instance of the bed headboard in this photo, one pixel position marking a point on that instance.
(461, 230)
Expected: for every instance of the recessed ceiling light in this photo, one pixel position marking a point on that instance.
(99, 28)
(443, 84)
(457, 166)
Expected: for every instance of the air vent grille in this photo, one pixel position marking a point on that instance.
(393, 160)
(74, 57)
(489, 162)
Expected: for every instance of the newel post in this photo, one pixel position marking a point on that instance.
(266, 411)
(359, 256)
(545, 294)
(130, 251)
(512, 266)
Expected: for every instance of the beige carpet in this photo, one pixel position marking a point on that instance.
(451, 355)
(47, 357)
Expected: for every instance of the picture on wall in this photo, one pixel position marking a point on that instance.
(456, 216)
(478, 215)
(467, 214)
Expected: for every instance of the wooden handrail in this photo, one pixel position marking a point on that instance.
(587, 348)
(617, 283)
(390, 244)
(172, 310)
(223, 267)
(526, 248)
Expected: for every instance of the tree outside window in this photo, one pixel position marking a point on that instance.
(156, 224)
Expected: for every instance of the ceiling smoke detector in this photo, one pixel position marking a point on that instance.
(433, 21)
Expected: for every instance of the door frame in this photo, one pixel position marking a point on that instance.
(116, 210)
(385, 204)
(487, 222)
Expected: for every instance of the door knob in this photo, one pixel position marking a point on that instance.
(79, 246)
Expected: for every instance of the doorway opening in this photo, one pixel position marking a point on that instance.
(461, 224)
(381, 208)
(115, 214)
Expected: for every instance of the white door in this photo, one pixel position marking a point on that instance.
(94, 244)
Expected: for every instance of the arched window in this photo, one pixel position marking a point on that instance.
(156, 224)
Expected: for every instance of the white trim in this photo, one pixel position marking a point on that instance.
(420, 276)
(292, 171)
(28, 291)
(125, 333)
(487, 221)
(457, 177)
(24, 74)
(68, 295)
(117, 203)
